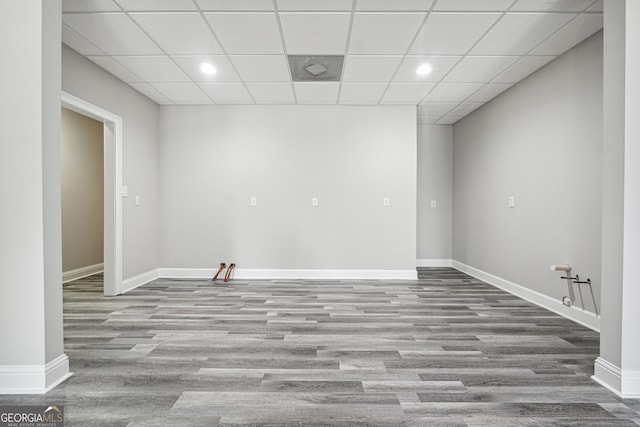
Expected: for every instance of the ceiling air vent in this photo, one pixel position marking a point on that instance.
(305, 68)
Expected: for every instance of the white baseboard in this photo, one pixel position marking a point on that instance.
(79, 273)
(34, 379)
(274, 274)
(433, 263)
(139, 280)
(576, 314)
(624, 383)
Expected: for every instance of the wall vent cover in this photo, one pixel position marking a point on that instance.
(308, 68)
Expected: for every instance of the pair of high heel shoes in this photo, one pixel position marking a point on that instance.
(227, 274)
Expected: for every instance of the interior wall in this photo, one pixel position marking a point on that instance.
(541, 142)
(82, 191)
(214, 159)
(435, 184)
(141, 223)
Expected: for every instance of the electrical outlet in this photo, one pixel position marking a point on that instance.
(314, 202)
(433, 204)
(138, 201)
(385, 202)
(254, 202)
(512, 201)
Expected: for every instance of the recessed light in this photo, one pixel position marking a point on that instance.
(208, 69)
(423, 69)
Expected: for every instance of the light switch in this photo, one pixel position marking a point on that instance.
(254, 202)
(314, 202)
(433, 204)
(385, 202)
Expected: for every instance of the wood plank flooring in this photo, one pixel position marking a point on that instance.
(447, 350)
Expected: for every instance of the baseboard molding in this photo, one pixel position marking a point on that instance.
(275, 274)
(624, 383)
(34, 379)
(433, 263)
(139, 280)
(79, 273)
(583, 317)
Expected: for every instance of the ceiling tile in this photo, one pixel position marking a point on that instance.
(272, 93)
(315, 34)
(178, 33)
(373, 68)
(395, 5)
(406, 93)
(190, 64)
(488, 92)
(440, 64)
(443, 34)
(518, 33)
(452, 92)
(115, 68)
(153, 69)
(435, 108)
(522, 69)
(317, 93)
(249, 5)
(465, 108)
(550, 5)
(89, 6)
(479, 68)
(228, 93)
(597, 7)
(361, 93)
(181, 92)
(247, 33)
(114, 33)
(157, 5)
(78, 43)
(570, 35)
(262, 68)
(367, 36)
(150, 93)
(448, 120)
(315, 5)
(473, 5)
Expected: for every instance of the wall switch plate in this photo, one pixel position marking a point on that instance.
(512, 201)
(433, 204)
(254, 201)
(137, 200)
(385, 202)
(124, 191)
(314, 202)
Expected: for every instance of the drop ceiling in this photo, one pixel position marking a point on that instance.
(477, 48)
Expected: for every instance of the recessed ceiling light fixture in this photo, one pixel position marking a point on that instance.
(423, 69)
(207, 69)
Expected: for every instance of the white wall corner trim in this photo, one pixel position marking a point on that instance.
(273, 274)
(433, 263)
(139, 280)
(34, 379)
(79, 273)
(624, 383)
(575, 314)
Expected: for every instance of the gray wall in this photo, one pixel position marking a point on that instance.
(141, 241)
(435, 182)
(541, 141)
(82, 191)
(214, 159)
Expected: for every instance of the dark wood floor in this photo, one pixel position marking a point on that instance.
(447, 350)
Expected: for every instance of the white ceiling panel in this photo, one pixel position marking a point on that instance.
(597, 7)
(441, 65)
(153, 69)
(367, 36)
(247, 33)
(370, 68)
(233, 93)
(521, 69)
(406, 93)
(441, 33)
(190, 64)
(317, 93)
(465, 108)
(452, 92)
(262, 68)
(435, 108)
(157, 5)
(518, 33)
(114, 33)
(395, 5)
(488, 92)
(448, 120)
(179, 33)
(315, 5)
(182, 92)
(473, 5)
(116, 69)
(550, 5)
(473, 69)
(89, 6)
(272, 93)
(315, 33)
(570, 35)
(248, 5)
(78, 43)
(361, 93)
(150, 92)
